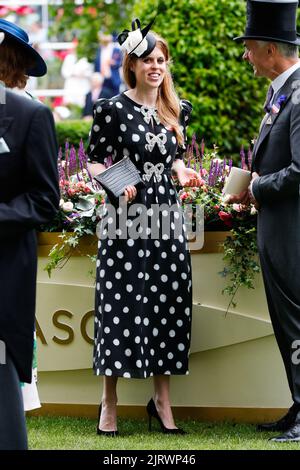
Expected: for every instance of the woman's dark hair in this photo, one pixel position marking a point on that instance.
(13, 64)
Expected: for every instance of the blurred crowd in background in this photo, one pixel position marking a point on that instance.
(73, 82)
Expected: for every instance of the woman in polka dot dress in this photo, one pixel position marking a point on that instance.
(144, 288)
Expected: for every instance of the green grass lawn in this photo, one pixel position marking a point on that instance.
(80, 434)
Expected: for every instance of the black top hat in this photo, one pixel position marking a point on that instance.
(139, 42)
(21, 39)
(271, 20)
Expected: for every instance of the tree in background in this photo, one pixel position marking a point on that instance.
(85, 20)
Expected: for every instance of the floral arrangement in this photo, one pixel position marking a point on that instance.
(240, 250)
(82, 203)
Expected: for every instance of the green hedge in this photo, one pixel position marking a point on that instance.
(208, 68)
(72, 131)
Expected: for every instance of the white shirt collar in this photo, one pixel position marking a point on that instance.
(282, 78)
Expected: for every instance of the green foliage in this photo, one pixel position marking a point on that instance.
(72, 131)
(208, 68)
(61, 252)
(240, 248)
(240, 255)
(84, 22)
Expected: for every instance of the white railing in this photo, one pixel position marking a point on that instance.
(48, 92)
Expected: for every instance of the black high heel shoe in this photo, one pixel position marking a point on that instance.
(104, 433)
(152, 413)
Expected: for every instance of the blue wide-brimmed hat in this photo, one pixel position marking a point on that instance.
(21, 37)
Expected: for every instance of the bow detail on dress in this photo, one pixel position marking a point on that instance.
(149, 113)
(159, 139)
(155, 170)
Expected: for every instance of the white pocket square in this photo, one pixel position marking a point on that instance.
(269, 121)
(4, 148)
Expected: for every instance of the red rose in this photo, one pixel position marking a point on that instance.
(226, 218)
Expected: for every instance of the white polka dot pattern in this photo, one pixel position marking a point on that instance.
(143, 286)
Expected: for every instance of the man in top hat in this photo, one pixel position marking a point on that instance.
(29, 196)
(271, 47)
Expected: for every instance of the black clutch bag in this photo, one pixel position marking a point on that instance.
(117, 177)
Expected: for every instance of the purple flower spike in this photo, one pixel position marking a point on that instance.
(81, 155)
(249, 157)
(223, 171)
(67, 159)
(200, 166)
(216, 172)
(210, 175)
(72, 161)
(189, 162)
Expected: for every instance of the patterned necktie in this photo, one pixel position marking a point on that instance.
(267, 105)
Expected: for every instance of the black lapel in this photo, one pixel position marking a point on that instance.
(4, 124)
(286, 90)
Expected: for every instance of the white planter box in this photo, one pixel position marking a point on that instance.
(235, 366)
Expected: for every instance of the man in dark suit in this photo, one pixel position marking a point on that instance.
(272, 49)
(29, 196)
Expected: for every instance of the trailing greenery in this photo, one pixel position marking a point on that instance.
(72, 131)
(80, 433)
(240, 255)
(208, 68)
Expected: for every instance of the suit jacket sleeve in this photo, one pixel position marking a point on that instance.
(39, 202)
(284, 183)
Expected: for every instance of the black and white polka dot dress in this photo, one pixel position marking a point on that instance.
(143, 286)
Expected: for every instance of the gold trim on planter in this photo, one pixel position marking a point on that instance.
(213, 242)
(238, 415)
(46, 241)
(88, 244)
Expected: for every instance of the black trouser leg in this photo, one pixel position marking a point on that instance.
(13, 435)
(285, 316)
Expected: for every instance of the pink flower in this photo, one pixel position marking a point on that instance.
(183, 196)
(4, 11)
(79, 10)
(237, 207)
